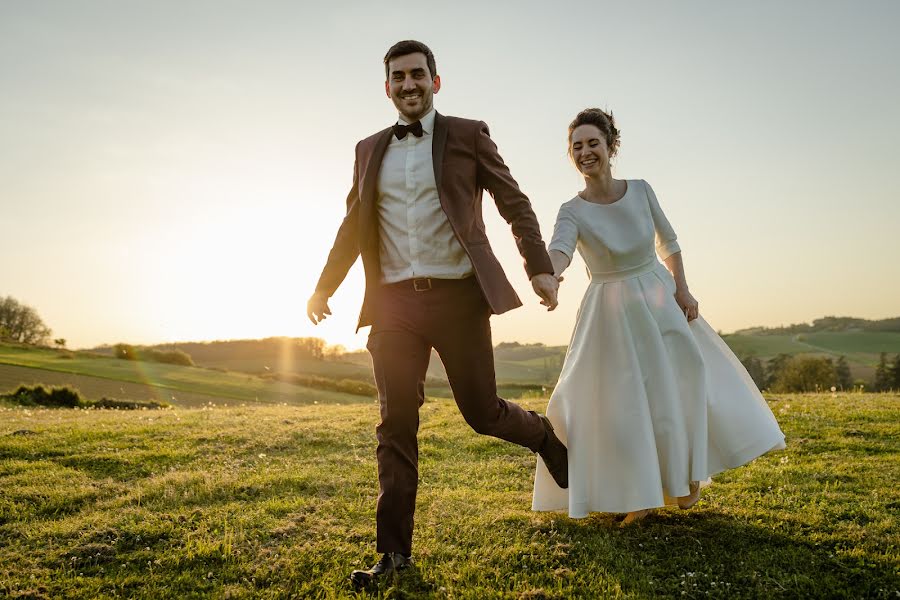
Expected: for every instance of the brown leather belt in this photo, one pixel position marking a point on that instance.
(425, 284)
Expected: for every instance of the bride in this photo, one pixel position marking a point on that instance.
(650, 401)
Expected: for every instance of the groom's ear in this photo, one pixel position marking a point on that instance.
(387, 88)
(436, 86)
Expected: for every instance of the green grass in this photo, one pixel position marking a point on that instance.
(764, 346)
(512, 371)
(278, 502)
(322, 368)
(865, 342)
(862, 345)
(227, 386)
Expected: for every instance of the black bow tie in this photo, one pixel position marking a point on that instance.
(414, 128)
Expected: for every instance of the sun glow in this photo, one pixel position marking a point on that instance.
(241, 255)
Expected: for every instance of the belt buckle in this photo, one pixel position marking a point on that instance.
(425, 284)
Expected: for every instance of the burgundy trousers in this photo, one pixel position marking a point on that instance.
(411, 318)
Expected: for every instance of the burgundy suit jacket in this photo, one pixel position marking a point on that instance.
(466, 162)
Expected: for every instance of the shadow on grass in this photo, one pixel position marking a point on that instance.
(669, 554)
(707, 553)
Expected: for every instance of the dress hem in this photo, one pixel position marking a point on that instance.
(738, 459)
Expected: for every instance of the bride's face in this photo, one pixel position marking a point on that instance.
(589, 151)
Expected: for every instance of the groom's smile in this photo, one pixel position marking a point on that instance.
(411, 85)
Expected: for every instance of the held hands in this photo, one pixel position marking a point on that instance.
(546, 287)
(317, 308)
(688, 303)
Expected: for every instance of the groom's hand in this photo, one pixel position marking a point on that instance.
(317, 308)
(546, 285)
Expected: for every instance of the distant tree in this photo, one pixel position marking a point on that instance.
(311, 347)
(831, 323)
(882, 374)
(334, 352)
(805, 374)
(504, 345)
(895, 373)
(21, 323)
(756, 370)
(774, 368)
(60, 342)
(842, 374)
(125, 352)
(892, 324)
(828, 323)
(171, 357)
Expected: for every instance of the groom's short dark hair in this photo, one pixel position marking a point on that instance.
(409, 47)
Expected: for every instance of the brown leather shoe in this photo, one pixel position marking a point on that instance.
(555, 455)
(389, 564)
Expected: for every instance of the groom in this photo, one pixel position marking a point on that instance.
(432, 281)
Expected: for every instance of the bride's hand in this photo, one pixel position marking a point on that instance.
(687, 303)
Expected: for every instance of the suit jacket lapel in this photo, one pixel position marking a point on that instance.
(369, 189)
(437, 149)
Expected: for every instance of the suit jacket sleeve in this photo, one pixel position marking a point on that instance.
(346, 245)
(514, 207)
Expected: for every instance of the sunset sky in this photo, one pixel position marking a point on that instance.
(174, 171)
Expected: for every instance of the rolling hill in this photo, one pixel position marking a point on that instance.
(97, 377)
(243, 370)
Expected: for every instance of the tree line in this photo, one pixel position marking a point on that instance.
(887, 374)
(786, 373)
(172, 357)
(203, 352)
(891, 325)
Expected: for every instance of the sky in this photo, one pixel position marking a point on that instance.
(176, 171)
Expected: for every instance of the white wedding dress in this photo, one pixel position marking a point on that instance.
(646, 402)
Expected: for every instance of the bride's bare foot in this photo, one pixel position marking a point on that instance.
(635, 516)
(686, 502)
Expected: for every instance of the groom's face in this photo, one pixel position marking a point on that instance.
(411, 86)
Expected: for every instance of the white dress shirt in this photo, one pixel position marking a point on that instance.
(417, 239)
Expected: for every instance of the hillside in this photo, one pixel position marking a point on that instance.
(860, 340)
(98, 377)
(244, 370)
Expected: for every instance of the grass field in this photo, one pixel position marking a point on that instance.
(155, 378)
(764, 346)
(95, 388)
(193, 386)
(278, 502)
(869, 343)
(523, 364)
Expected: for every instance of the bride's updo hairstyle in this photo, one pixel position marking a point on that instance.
(601, 120)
